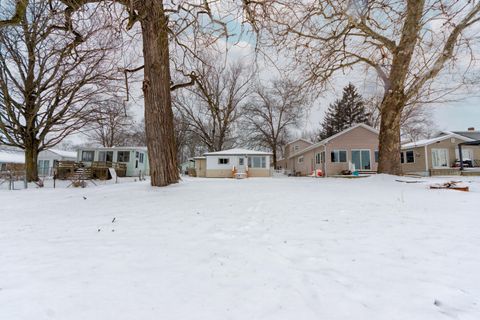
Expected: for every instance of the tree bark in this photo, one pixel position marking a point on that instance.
(159, 124)
(31, 159)
(274, 154)
(389, 137)
(395, 99)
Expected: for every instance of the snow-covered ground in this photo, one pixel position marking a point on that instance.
(215, 249)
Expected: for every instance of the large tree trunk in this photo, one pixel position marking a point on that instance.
(159, 125)
(394, 100)
(389, 138)
(274, 156)
(31, 158)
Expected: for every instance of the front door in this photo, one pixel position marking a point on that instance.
(361, 159)
(242, 162)
(440, 158)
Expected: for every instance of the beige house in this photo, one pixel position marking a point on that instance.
(354, 149)
(233, 163)
(439, 155)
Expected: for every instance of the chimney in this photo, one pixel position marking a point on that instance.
(471, 129)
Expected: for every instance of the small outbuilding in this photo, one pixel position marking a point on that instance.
(233, 163)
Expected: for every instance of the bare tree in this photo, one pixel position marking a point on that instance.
(186, 25)
(49, 80)
(212, 106)
(416, 121)
(408, 44)
(112, 124)
(273, 111)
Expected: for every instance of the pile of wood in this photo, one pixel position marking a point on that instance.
(451, 185)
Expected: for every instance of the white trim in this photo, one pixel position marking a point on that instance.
(369, 156)
(422, 143)
(346, 155)
(426, 159)
(448, 158)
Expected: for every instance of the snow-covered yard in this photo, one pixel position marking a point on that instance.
(281, 248)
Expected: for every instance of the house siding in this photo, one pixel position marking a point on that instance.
(355, 139)
(358, 138)
(419, 167)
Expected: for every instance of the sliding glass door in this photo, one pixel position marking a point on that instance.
(361, 159)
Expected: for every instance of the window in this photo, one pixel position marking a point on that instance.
(361, 159)
(339, 156)
(318, 158)
(141, 157)
(440, 158)
(43, 167)
(257, 162)
(240, 161)
(88, 155)
(300, 159)
(295, 148)
(105, 156)
(376, 156)
(409, 156)
(223, 160)
(123, 156)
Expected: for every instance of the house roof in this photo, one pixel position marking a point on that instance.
(238, 151)
(64, 153)
(426, 142)
(11, 156)
(325, 141)
(300, 139)
(114, 148)
(475, 135)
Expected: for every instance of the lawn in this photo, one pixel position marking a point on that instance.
(216, 249)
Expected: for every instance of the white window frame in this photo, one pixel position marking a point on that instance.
(300, 159)
(90, 152)
(263, 162)
(318, 158)
(448, 158)
(123, 152)
(338, 151)
(361, 162)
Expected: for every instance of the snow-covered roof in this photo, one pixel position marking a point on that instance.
(12, 156)
(237, 151)
(64, 153)
(426, 142)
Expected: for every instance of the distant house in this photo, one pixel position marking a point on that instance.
(355, 148)
(47, 159)
(135, 158)
(440, 154)
(14, 159)
(227, 163)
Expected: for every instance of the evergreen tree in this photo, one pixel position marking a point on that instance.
(344, 113)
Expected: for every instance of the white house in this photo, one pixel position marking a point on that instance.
(47, 158)
(11, 159)
(228, 163)
(45, 161)
(135, 158)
